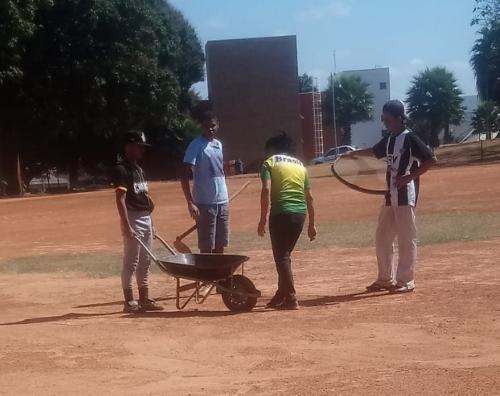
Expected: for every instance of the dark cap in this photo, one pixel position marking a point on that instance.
(135, 137)
(396, 108)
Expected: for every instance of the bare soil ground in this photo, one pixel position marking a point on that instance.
(64, 333)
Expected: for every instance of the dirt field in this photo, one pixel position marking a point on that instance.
(63, 332)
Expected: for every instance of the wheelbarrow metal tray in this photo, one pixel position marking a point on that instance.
(202, 267)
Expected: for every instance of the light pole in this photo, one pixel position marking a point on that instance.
(334, 118)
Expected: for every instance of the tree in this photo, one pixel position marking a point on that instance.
(486, 12)
(486, 118)
(485, 60)
(306, 83)
(435, 102)
(353, 103)
(94, 69)
(17, 26)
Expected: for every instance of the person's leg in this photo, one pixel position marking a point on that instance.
(384, 241)
(407, 248)
(277, 242)
(284, 230)
(222, 228)
(145, 231)
(206, 227)
(296, 224)
(131, 251)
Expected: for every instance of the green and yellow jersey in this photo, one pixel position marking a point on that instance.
(289, 181)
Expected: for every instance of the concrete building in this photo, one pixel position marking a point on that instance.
(366, 134)
(253, 89)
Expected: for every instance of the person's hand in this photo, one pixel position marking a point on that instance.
(403, 181)
(193, 210)
(129, 232)
(261, 229)
(311, 232)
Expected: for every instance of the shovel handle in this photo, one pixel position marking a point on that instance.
(193, 228)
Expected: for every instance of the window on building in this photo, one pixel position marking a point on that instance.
(383, 85)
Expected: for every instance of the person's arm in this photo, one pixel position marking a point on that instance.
(189, 163)
(311, 230)
(360, 153)
(264, 206)
(421, 152)
(127, 229)
(186, 188)
(402, 181)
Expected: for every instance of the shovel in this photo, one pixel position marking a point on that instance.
(180, 246)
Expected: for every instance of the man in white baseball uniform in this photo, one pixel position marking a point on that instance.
(408, 158)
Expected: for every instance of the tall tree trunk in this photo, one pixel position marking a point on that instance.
(434, 138)
(73, 172)
(448, 137)
(10, 170)
(347, 135)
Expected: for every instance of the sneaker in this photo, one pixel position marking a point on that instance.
(149, 305)
(402, 289)
(276, 301)
(130, 307)
(289, 305)
(376, 287)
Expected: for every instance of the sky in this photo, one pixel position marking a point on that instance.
(405, 35)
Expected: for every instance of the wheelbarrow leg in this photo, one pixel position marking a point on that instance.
(178, 289)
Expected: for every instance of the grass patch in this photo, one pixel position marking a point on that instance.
(433, 229)
(97, 265)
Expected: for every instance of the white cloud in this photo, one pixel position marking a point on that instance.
(335, 8)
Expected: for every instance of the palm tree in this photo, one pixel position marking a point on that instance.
(306, 83)
(353, 103)
(486, 118)
(435, 102)
(485, 61)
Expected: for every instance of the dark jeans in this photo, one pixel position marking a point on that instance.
(285, 230)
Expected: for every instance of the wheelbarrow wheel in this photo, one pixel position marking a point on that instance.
(238, 302)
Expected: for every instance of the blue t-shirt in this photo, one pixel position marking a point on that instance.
(209, 184)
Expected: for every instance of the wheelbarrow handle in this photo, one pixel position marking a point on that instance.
(164, 243)
(148, 250)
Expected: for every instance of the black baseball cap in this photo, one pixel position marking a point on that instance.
(395, 108)
(135, 137)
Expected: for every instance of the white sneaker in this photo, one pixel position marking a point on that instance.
(402, 289)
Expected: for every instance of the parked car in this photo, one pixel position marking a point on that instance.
(332, 154)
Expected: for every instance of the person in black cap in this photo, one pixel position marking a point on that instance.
(408, 158)
(134, 208)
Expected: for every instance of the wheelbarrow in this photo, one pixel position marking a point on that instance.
(206, 272)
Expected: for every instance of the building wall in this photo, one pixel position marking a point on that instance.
(253, 88)
(366, 134)
(307, 117)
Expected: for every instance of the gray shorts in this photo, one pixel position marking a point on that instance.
(213, 227)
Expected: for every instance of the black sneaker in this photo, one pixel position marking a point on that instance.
(130, 307)
(376, 287)
(276, 301)
(149, 305)
(289, 305)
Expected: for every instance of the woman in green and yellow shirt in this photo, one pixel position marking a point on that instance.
(285, 185)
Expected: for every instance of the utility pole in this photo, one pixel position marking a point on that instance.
(334, 118)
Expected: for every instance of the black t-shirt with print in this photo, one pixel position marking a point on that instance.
(404, 153)
(130, 178)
